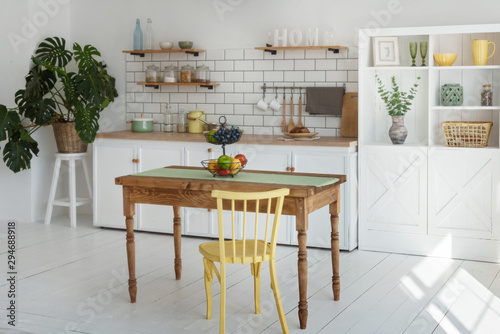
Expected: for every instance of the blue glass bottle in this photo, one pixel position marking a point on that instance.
(138, 36)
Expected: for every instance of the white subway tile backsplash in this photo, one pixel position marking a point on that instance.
(233, 76)
(234, 54)
(215, 54)
(196, 98)
(304, 65)
(253, 120)
(200, 56)
(240, 74)
(326, 64)
(283, 65)
(353, 52)
(253, 54)
(273, 76)
(336, 76)
(134, 67)
(294, 76)
(224, 65)
(178, 97)
(243, 65)
(233, 98)
(129, 57)
(347, 64)
(254, 76)
(263, 65)
(317, 76)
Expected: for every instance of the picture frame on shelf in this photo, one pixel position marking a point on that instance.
(386, 51)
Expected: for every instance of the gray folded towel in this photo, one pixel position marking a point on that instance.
(325, 100)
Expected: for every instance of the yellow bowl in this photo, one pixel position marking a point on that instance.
(445, 59)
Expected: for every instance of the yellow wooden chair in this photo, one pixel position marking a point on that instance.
(253, 251)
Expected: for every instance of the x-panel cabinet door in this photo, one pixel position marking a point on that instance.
(463, 192)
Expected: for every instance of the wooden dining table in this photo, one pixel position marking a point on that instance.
(181, 186)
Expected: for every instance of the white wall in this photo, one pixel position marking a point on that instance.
(109, 24)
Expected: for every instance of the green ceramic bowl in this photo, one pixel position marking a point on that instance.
(185, 44)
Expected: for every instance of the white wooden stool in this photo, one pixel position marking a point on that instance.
(72, 202)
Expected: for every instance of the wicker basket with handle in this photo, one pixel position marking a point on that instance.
(466, 134)
(67, 139)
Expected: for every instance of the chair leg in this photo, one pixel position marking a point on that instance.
(222, 326)
(256, 269)
(277, 298)
(209, 277)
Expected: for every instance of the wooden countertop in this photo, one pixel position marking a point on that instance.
(245, 139)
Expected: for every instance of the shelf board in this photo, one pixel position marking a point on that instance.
(468, 67)
(273, 49)
(405, 68)
(465, 108)
(157, 85)
(141, 53)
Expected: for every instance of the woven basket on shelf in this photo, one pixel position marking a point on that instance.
(67, 139)
(466, 134)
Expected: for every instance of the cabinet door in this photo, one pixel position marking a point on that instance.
(319, 231)
(393, 189)
(109, 163)
(463, 186)
(158, 218)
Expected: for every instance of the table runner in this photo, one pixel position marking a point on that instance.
(198, 174)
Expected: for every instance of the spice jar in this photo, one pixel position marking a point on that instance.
(202, 74)
(181, 124)
(170, 73)
(486, 96)
(187, 73)
(152, 72)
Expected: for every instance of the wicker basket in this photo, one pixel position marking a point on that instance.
(466, 134)
(67, 139)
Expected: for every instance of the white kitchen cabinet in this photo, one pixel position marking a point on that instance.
(424, 197)
(201, 222)
(110, 161)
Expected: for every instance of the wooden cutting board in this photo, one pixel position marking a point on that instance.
(349, 120)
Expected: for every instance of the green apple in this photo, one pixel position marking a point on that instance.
(224, 162)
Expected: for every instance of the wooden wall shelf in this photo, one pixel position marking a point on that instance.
(157, 85)
(141, 53)
(273, 49)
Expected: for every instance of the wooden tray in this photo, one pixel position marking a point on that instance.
(301, 135)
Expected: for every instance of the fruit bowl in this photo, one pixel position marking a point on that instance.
(445, 59)
(213, 167)
(223, 135)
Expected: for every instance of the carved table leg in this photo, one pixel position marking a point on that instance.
(129, 212)
(334, 220)
(177, 242)
(301, 226)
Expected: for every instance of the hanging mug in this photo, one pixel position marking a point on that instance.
(480, 48)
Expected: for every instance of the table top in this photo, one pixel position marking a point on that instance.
(300, 184)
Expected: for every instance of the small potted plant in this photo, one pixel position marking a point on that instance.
(67, 94)
(398, 104)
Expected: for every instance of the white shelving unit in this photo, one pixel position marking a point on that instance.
(424, 197)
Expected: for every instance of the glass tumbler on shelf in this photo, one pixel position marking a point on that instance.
(423, 51)
(181, 122)
(413, 52)
(168, 119)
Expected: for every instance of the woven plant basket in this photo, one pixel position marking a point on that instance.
(67, 139)
(466, 134)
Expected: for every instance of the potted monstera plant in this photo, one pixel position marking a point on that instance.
(67, 89)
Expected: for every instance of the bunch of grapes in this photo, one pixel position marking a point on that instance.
(227, 136)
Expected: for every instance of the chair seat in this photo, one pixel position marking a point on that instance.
(211, 251)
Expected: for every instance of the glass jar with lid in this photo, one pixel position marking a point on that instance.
(187, 73)
(170, 73)
(152, 73)
(202, 74)
(486, 97)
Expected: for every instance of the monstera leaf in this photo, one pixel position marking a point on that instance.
(38, 83)
(85, 57)
(18, 152)
(9, 122)
(86, 122)
(53, 50)
(39, 111)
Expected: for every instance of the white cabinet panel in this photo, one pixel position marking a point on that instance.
(158, 218)
(110, 162)
(394, 194)
(463, 190)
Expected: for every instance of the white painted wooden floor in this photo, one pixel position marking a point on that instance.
(73, 280)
